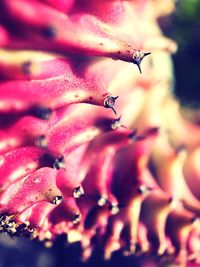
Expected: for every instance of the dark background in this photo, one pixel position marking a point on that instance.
(184, 27)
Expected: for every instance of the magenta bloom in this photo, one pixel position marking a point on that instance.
(93, 144)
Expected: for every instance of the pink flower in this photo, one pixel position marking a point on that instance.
(73, 162)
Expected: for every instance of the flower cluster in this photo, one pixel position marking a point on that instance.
(93, 143)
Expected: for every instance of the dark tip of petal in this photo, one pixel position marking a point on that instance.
(57, 200)
(41, 112)
(76, 218)
(116, 124)
(109, 102)
(46, 160)
(139, 67)
(133, 135)
(114, 208)
(26, 67)
(59, 163)
(49, 32)
(194, 219)
(140, 138)
(78, 192)
(143, 189)
(170, 200)
(152, 131)
(40, 141)
(180, 148)
(102, 201)
(138, 57)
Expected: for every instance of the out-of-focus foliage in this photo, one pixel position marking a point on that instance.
(187, 19)
(184, 27)
(188, 10)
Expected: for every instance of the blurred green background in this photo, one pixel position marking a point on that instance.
(183, 26)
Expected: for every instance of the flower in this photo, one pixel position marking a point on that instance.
(71, 160)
